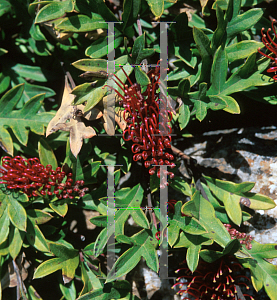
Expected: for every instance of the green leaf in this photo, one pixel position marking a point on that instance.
(183, 87)
(203, 46)
(46, 154)
(33, 293)
(68, 290)
(263, 250)
(62, 251)
(105, 12)
(68, 270)
(210, 255)
(204, 212)
(114, 290)
(54, 10)
(218, 103)
(35, 237)
(86, 93)
(232, 105)
(187, 240)
(141, 77)
(99, 48)
(91, 65)
(144, 246)
(95, 94)
(125, 263)
(10, 99)
(5, 7)
(157, 7)
(89, 279)
(187, 224)
(6, 141)
(16, 238)
(60, 209)
(4, 225)
(219, 71)
(32, 72)
(4, 82)
(38, 216)
(184, 116)
(263, 274)
(139, 45)
(48, 267)
(23, 120)
(180, 185)
(244, 21)
(129, 205)
(224, 190)
(242, 49)
(219, 36)
(81, 23)
(17, 213)
(131, 9)
(201, 110)
(101, 242)
(192, 257)
(33, 91)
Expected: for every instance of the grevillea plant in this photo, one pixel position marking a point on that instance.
(213, 281)
(91, 185)
(271, 46)
(33, 179)
(147, 125)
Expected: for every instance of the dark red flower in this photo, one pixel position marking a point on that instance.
(243, 237)
(32, 178)
(147, 124)
(272, 47)
(213, 281)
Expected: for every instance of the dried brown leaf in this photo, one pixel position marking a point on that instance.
(65, 112)
(92, 114)
(78, 132)
(120, 120)
(10, 279)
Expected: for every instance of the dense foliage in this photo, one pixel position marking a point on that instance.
(83, 130)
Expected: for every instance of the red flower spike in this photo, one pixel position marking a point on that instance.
(30, 176)
(272, 47)
(142, 115)
(212, 280)
(243, 237)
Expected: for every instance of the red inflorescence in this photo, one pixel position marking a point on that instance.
(147, 123)
(243, 237)
(213, 281)
(272, 47)
(32, 178)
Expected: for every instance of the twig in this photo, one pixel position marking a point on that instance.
(144, 61)
(152, 215)
(20, 286)
(179, 153)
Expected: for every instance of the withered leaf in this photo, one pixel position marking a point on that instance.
(67, 119)
(78, 132)
(10, 279)
(120, 120)
(65, 112)
(92, 114)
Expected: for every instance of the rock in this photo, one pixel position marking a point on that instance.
(238, 155)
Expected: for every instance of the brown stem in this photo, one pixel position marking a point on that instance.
(179, 153)
(152, 215)
(144, 61)
(20, 286)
